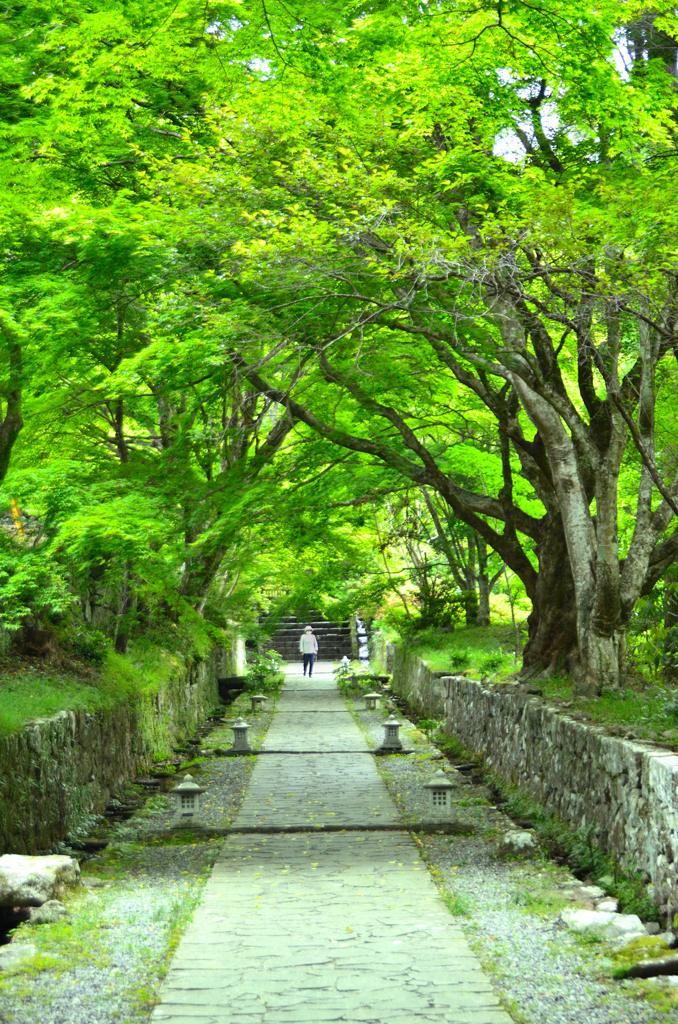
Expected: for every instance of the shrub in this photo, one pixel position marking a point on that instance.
(264, 673)
(460, 659)
(90, 644)
(584, 852)
(429, 726)
(492, 662)
(671, 707)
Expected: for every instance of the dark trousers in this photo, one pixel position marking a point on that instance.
(308, 663)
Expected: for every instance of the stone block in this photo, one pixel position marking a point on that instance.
(48, 913)
(603, 923)
(32, 881)
(518, 844)
(15, 954)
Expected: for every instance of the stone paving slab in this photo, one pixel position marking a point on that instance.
(340, 927)
(320, 731)
(316, 789)
(310, 927)
(320, 700)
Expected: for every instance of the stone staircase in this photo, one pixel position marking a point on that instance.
(334, 638)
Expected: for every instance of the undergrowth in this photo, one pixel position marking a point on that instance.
(31, 690)
(580, 848)
(481, 650)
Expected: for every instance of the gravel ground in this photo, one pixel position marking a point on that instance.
(509, 910)
(105, 964)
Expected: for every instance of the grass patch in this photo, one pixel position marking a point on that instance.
(543, 904)
(453, 748)
(664, 999)
(456, 903)
(191, 764)
(32, 691)
(481, 650)
(645, 709)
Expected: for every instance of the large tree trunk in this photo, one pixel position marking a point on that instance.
(552, 645)
(122, 636)
(592, 547)
(604, 660)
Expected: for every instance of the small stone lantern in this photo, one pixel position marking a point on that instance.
(440, 795)
(186, 801)
(257, 700)
(240, 741)
(371, 701)
(391, 738)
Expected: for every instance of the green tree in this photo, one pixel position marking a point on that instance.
(494, 243)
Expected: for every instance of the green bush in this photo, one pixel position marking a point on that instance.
(492, 662)
(264, 673)
(429, 726)
(671, 707)
(460, 659)
(90, 644)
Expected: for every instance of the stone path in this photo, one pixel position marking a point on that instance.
(312, 927)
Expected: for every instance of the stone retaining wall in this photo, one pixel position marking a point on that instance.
(412, 678)
(578, 771)
(584, 775)
(57, 773)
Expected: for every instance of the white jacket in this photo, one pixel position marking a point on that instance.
(308, 643)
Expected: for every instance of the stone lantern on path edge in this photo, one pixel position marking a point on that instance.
(186, 798)
(240, 741)
(392, 739)
(439, 790)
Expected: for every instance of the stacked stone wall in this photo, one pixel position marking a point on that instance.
(412, 678)
(578, 771)
(57, 773)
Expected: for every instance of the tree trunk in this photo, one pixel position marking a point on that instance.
(11, 424)
(122, 636)
(552, 644)
(604, 661)
(670, 623)
(483, 616)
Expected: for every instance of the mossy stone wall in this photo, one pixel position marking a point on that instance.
(412, 678)
(57, 773)
(575, 770)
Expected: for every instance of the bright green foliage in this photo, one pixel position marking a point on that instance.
(263, 673)
(282, 290)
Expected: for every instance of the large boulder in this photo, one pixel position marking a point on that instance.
(518, 843)
(13, 955)
(603, 923)
(32, 881)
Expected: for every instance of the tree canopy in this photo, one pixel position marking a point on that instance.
(285, 289)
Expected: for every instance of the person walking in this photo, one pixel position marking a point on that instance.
(308, 645)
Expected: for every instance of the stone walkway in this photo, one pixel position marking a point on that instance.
(310, 926)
